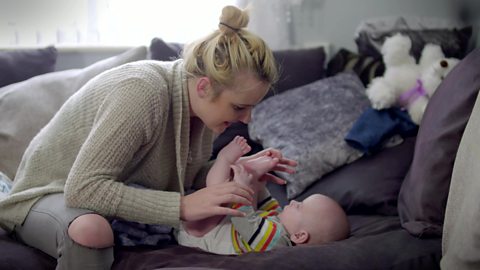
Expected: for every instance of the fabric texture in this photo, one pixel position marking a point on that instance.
(27, 106)
(366, 67)
(452, 36)
(19, 65)
(163, 51)
(296, 68)
(130, 124)
(461, 241)
(130, 234)
(423, 195)
(308, 124)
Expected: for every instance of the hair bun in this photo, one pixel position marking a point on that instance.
(232, 19)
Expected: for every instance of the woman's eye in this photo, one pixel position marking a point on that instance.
(237, 108)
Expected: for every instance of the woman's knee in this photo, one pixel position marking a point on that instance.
(91, 230)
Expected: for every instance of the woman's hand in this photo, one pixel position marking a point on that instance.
(284, 164)
(214, 201)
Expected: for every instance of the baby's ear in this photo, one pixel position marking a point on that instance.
(300, 237)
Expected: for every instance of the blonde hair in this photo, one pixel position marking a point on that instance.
(228, 50)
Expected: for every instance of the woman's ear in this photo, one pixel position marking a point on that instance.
(300, 237)
(203, 87)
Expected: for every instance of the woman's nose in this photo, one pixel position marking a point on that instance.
(246, 117)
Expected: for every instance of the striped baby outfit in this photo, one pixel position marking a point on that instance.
(258, 231)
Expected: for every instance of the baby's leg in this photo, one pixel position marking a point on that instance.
(234, 150)
(219, 173)
(220, 170)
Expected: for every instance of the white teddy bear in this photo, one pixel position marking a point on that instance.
(406, 83)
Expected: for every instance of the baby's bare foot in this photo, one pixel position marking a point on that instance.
(235, 149)
(261, 165)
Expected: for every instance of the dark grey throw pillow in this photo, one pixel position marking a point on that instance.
(298, 67)
(424, 192)
(163, 51)
(453, 37)
(308, 124)
(19, 65)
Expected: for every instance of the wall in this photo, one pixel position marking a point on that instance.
(303, 23)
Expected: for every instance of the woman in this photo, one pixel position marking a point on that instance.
(148, 123)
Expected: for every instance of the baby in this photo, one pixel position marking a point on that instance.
(316, 220)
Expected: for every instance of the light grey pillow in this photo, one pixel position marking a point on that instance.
(308, 124)
(27, 106)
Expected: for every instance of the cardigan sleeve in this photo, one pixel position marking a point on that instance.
(125, 122)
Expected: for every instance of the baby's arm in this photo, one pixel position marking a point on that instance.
(220, 170)
(259, 231)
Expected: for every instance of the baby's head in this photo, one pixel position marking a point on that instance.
(317, 219)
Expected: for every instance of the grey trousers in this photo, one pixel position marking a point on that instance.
(46, 228)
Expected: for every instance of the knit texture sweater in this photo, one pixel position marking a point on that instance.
(128, 125)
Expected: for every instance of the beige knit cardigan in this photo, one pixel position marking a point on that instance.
(130, 124)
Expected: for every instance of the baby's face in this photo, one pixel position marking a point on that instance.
(296, 214)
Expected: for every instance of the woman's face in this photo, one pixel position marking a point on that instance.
(232, 105)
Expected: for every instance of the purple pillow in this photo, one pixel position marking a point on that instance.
(19, 65)
(423, 195)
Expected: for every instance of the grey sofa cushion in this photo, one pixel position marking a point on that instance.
(19, 65)
(424, 192)
(369, 185)
(308, 124)
(27, 106)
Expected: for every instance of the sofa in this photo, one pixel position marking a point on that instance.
(395, 198)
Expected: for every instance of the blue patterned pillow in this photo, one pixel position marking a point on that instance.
(309, 124)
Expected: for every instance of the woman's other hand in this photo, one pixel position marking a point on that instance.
(215, 200)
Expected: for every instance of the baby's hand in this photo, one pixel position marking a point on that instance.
(241, 176)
